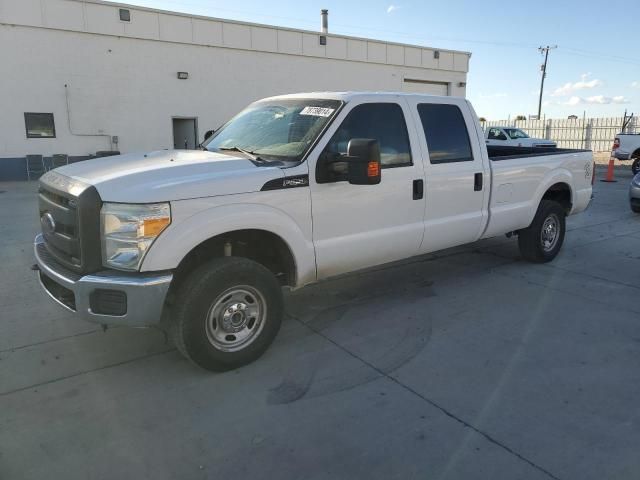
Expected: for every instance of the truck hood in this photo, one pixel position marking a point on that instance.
(167, 175)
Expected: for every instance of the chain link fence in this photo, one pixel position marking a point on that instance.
(595, 134)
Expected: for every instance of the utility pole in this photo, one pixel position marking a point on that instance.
(543, 67)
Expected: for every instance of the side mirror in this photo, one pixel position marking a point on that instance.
(208, 134)
(363, 161)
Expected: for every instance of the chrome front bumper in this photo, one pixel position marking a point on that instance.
(108, 297)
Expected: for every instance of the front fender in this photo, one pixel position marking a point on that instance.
(187, 231)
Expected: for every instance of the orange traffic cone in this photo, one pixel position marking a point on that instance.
(610, 170)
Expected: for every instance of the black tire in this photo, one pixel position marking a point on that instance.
(195, 325)
(533, 246)
(635, 166)
(635, 209)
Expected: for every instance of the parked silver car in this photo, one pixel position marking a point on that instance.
(634, 194)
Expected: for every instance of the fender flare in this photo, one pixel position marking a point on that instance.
(180, 238)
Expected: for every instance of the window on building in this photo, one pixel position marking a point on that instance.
(125, 15)
(39, 125)
(382, 121)
(446, 133)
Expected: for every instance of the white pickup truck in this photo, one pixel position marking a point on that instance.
(514, 137)
(626, 146)
(292, 190)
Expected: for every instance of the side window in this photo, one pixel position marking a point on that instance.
(382, 121)
(446, 133)
(496, 134)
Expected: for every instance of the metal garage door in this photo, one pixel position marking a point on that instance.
(425, 86)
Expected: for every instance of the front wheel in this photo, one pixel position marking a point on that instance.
(635, 166)
(542, 240)
(227, 313)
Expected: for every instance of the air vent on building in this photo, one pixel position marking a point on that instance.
(436, 54)
(125, 15)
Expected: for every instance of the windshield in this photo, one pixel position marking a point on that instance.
(515, 133)
(276, 130)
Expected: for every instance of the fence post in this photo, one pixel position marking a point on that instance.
(547, 130)
(587, 137)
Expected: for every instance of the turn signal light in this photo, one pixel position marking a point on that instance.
(373, 169)
(151, 227)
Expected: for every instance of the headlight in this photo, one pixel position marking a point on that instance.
(127, 232)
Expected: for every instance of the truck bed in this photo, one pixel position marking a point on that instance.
(517, 185)
(498, 153)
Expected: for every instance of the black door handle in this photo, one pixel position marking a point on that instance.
(418, 189)
(477, 182)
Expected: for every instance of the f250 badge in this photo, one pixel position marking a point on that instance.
(295, 182)
(287, 182)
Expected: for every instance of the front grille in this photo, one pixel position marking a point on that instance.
(62, 236)
(70, 218)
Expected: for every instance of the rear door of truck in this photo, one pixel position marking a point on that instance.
(457, 177)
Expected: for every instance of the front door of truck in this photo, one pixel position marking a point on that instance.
(357, 226)
(456, 183)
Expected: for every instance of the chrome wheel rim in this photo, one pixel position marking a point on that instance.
(236, 318)
(550, 232)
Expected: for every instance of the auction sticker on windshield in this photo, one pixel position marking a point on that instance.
(317, 111)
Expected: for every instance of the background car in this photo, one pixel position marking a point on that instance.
(634, 194)
(514, 137)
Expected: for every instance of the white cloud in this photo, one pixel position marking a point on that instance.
(392, 8)
(596, 100)
(635, 84)
(569, 88)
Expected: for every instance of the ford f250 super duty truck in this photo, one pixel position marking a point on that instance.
(292, 190)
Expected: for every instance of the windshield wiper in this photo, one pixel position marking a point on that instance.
(248, 153)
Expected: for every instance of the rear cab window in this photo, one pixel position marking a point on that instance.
(445, 131)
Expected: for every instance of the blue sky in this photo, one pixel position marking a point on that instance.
(595, 69)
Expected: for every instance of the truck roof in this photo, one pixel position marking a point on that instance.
(347, 96)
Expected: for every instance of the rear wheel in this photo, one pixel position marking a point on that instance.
(635, 166)
(227, 313)
(542, 240)
(635, 208)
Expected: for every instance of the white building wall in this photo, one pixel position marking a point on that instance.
(120, 78)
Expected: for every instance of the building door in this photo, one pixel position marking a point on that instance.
(185, 133)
